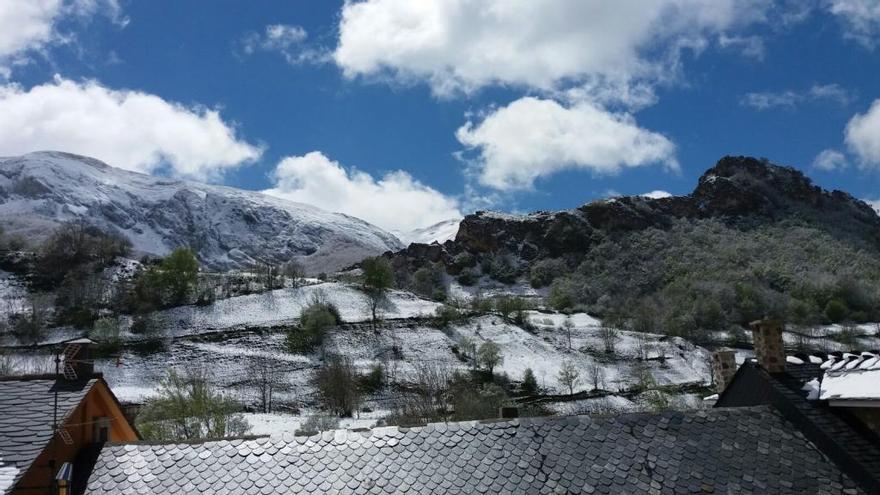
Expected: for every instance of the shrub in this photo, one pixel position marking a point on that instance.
(189, 407)
(337, 384)
(544, 272)
(836, 310)
(317, 423)
(314, 321)
(374, 380)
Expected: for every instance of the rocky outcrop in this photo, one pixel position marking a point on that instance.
(740, 190)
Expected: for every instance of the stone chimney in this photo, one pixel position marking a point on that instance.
(508, 412)
(769, 348)
(78, 363)
(723, 368)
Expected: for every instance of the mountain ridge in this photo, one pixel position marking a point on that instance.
(737, 189)
(227, 227)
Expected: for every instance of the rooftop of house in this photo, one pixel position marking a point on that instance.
(802, 392)
(719, 450)
(27, 413)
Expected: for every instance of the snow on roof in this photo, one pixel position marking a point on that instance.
(852, 385)
(7, 476)
(847, 376)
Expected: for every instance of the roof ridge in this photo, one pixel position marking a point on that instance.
(525, 421)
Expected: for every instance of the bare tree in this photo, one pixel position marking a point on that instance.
(265, 378)
(597, 376)
(568, 376)
(567, 327)
(610, 336)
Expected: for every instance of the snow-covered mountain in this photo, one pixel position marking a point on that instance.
(227, 227)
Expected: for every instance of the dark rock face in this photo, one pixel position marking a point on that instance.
(739, 190)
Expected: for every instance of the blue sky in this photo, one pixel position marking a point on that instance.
(407, 113)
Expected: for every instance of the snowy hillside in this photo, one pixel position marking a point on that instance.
(228, 227)
(439, 232)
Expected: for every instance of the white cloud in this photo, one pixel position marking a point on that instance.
(462, 45)
(128, 129)
(830, 160)
(748, 46)
(658, 194)
(861, 19)
(31, 25)
(874, 203)
(862, 136)
(287, 40)
(832, 93)
(395, 202)
(532, 138)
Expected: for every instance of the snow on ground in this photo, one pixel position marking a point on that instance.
(280, 424)
(488, 288)
(283, 306)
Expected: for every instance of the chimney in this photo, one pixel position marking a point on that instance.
(509, 412)
(78, 363)
(769, 348)
(723, 368)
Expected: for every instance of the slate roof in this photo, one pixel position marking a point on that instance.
(740, 450)
(26, 415)
(840, 436)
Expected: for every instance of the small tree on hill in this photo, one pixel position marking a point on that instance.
(529, 384)
(489, 356)
(180, 273)
(568, 376)
(377, 279)
(567, 327)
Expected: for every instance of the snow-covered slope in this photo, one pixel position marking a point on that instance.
(439, 232)
(228, 227)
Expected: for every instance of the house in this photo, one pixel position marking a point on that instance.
(52, 426)
(833, 399)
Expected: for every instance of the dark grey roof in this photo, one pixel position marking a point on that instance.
(741, 450)
(26, 415)
(840, 436)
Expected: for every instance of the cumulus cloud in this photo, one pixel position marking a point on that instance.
(832, 93)
(862, 136)
(830, 160)
(395, 202)
(287, 40)
(462, 45)
(658, 194)
(31, 25)
(532, 138)
(861, 19)
(129, 129)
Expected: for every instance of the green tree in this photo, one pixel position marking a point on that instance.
(489, 356)
(189, 407)
(180, 273)
(378, 278)
(314, 321)
(836, 310)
